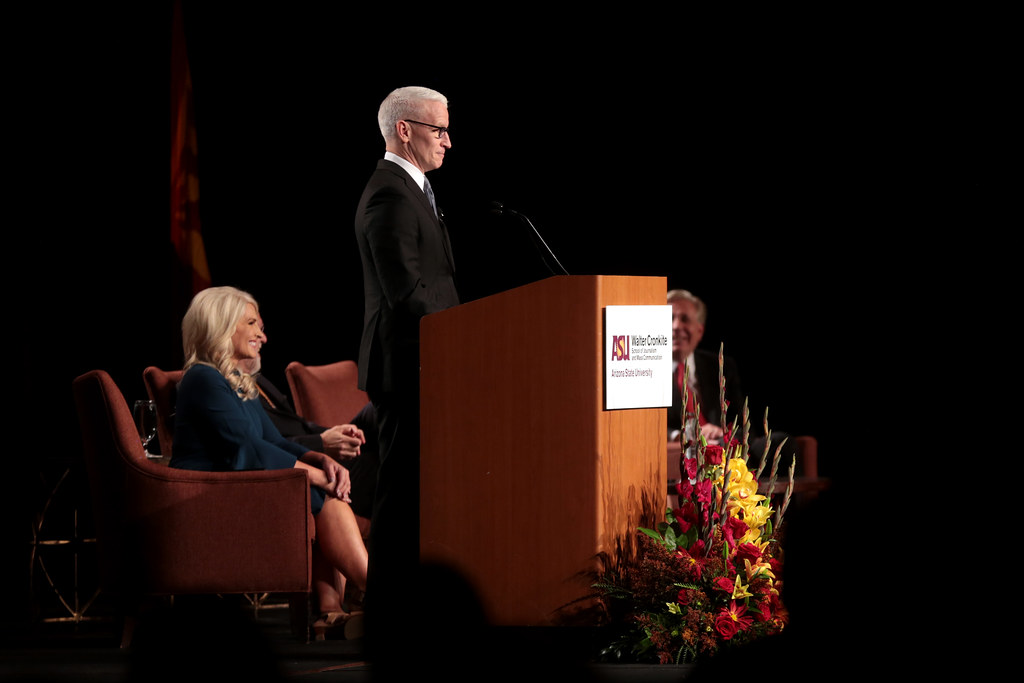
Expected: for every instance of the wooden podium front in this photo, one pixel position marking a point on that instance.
(528, 485)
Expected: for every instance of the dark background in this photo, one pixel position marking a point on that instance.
(801, 174)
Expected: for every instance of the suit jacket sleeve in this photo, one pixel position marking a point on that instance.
(393, 233)
(311, 442)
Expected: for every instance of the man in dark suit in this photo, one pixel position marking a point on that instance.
(689, 315)
(408, 272)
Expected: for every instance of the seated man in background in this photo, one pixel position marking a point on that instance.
(689, 315)
(353, 445)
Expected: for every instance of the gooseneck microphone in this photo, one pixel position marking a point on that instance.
(546, 255)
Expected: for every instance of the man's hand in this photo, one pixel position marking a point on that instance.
(343, 441)
(713, 434)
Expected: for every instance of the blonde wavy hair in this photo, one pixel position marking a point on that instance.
(206, 332)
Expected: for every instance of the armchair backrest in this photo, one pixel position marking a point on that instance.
(326, 394)
(162, 385)
(110, 444)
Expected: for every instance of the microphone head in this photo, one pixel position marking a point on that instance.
(496, 208)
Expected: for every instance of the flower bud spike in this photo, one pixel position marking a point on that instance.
(746, 421)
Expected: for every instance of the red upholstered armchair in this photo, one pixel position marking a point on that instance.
(161, 385)
(326, 394)
(163, 531)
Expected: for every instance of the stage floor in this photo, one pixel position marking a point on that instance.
(261, 647)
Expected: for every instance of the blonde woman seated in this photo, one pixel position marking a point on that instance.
(221, 425)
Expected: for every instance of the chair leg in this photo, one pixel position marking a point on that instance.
(128, 632)
(299, 609)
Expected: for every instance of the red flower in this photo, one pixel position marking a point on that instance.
(713, 454)
(733, 529)
(725, 626)
(684, 596)
(686, 516)
(725, 583)
(690, 564)
(703, 490)
(691, 467)
(747, 551)
(731, 620)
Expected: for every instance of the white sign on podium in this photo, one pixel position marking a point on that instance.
(637, 357)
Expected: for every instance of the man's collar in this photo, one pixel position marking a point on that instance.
(416, 173)
(689, 364)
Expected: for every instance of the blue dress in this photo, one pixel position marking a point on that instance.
(215, 430)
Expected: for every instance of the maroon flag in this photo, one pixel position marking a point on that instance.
(185, 233)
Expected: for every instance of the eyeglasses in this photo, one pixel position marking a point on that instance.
(441, 130)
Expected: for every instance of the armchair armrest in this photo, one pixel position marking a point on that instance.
(220, 532)
(807, 447)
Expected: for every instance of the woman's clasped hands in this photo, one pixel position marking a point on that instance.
(328, 474)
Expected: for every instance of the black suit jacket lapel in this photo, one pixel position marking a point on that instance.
(444, 238)
(421, 197)
(275, 396)
(707, 378)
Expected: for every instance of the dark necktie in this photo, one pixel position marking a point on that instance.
(444, 231)
(430, 194)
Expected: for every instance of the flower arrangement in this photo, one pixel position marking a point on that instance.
(707, 578)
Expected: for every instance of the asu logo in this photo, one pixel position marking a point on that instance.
(620, 347)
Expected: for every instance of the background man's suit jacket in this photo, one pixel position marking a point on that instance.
(706, 367)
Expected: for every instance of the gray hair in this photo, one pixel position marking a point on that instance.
(684, 295)
(404, 103)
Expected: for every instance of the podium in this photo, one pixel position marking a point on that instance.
(528, 485)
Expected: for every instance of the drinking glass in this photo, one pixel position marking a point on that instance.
(145, 421)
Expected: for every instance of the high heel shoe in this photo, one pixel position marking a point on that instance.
(354, 601)
(338, 624)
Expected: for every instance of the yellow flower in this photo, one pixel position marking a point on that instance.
(756, 569)
(744, 500)
(740, 591)
(756, 516)
(752, 535)
(742, 485)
